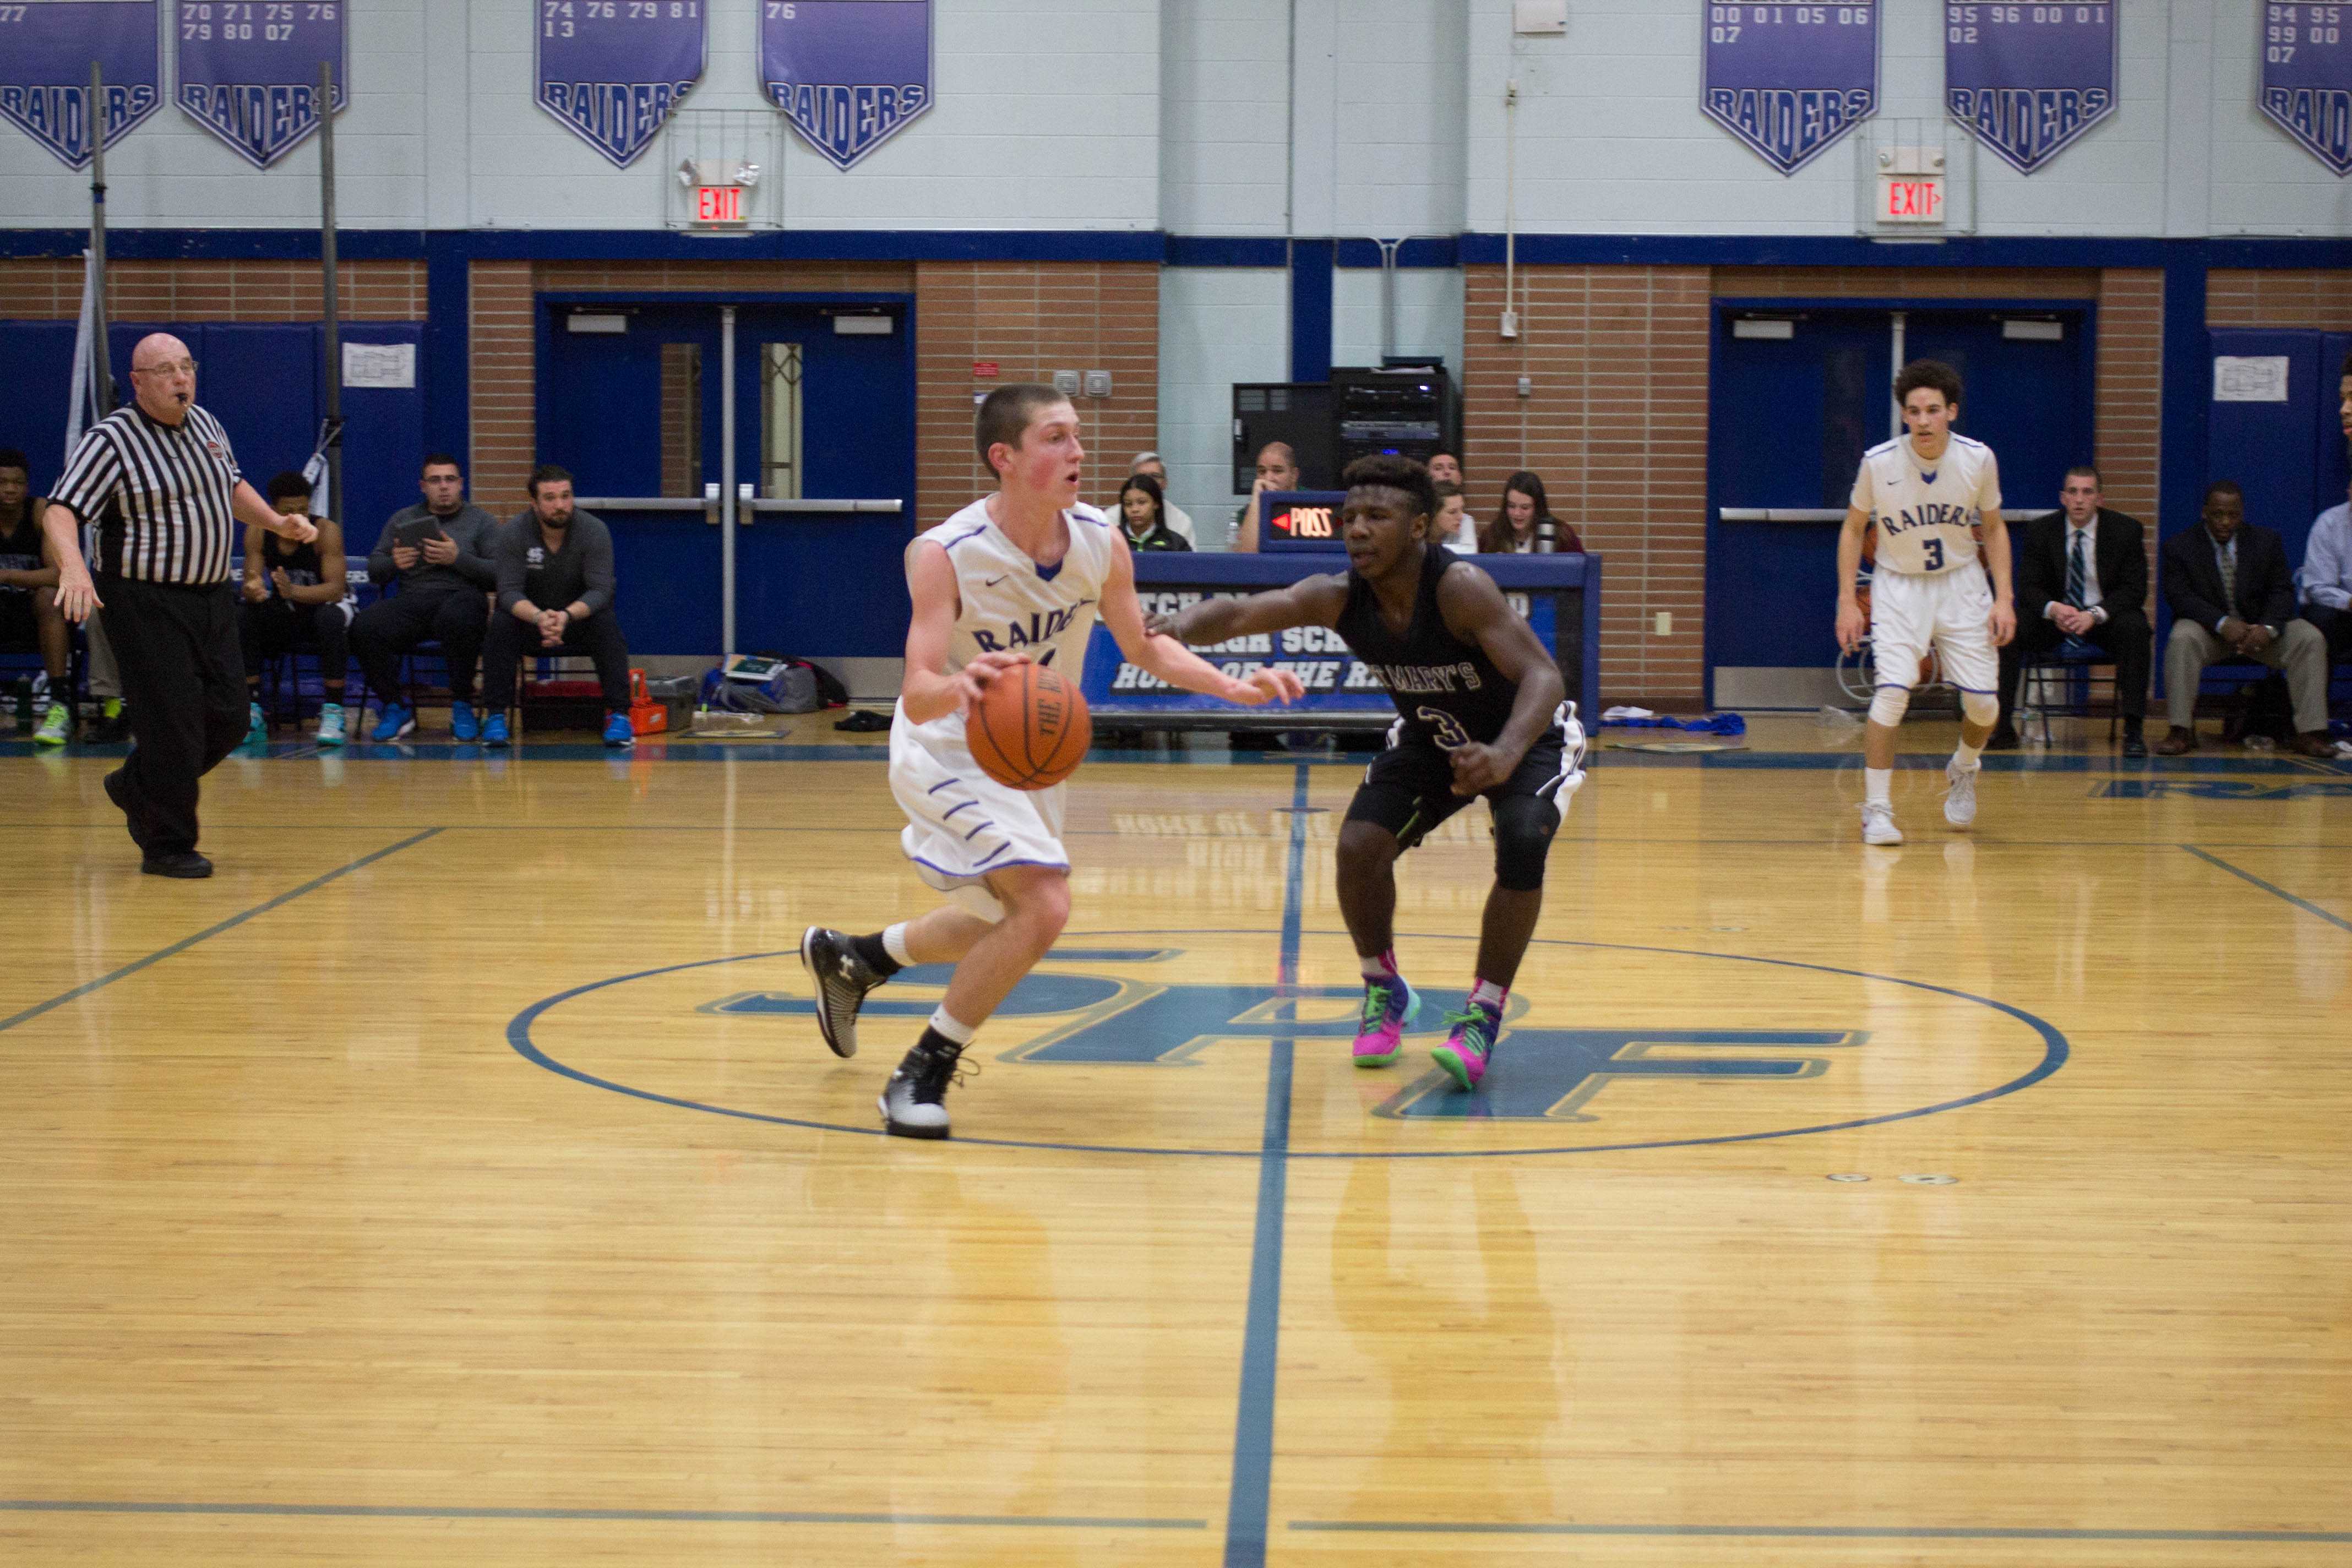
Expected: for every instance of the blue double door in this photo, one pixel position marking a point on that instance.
(631, 400)
(1793, 410)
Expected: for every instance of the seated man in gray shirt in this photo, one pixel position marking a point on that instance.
(438, 553)
(555, 596)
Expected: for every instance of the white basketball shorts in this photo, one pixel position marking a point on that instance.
(1950, 612)
(960, 824)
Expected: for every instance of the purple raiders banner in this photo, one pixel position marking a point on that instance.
(249, 71)
(2026, 80)
(849, 74)
(613, 71)
(1789, 80)
(45, 50)
(2307, 78)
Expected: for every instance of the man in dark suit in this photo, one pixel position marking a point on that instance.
(2082, 572)
(2233, 598)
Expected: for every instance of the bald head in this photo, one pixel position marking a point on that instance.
(163, 377)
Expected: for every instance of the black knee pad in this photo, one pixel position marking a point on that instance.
(1524, 825)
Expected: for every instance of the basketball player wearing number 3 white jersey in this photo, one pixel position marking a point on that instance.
(1928, 494)
(1018, 577)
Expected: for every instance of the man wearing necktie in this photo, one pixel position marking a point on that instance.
(2082, 573)
(2232, 597)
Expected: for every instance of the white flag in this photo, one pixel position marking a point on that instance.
(89, 391)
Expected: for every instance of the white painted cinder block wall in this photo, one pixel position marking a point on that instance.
(1237, 117)
(443, 131)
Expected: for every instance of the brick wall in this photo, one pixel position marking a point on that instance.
(1617, 427)
(2315, 299)
(1032, 318)
(505, 417)
(50, 290)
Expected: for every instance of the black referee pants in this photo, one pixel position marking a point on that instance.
(184, 689)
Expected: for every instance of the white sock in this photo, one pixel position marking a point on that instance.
(1967, 756)
(1486, 993)
(894, 942)
(961, 1034)
(1878, 786)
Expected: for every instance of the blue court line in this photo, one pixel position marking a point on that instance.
(2305, 905)
(622, 1515)
(1253, 1482)
(1825, 1531)
(160, 955)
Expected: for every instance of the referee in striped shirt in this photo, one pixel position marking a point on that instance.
(159, 480)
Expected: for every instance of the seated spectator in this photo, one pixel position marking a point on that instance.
(1452, 525)
(2326, 580)
(555, 596)
(1445, 469)
(2231, 598)
(2081, 571)
(1143, 516)
(1526, 526)
(296, 598)
(1277, 469)
(30, 620)
(1179, 523)
(438, 553)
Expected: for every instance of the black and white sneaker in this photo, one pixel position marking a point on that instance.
(843, 979)
(914, 1103)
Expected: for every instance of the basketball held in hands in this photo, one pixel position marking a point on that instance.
(1030, 729)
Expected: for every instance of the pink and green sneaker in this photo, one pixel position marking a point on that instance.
(1389, 1006)
(1471, 1046)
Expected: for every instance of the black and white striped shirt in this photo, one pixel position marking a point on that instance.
(159, 495)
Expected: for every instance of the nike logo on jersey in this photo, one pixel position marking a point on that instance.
(992, 581)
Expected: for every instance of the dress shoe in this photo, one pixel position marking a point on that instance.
(114, 783)
(2315, 743)
(2179, 742)
(2003, 738)
(2135, 745)
(187, 863)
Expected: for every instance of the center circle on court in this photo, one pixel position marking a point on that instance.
(1146, 1042)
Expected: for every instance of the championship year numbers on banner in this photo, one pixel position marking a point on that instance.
(2307, 78)
(614, 71)
(249, 71)
(2029, 80)
(1790, 81)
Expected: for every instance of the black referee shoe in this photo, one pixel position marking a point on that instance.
(186, 863)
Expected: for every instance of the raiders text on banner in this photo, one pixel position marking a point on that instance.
(46, 47)
(849, 74)
(1789, 80)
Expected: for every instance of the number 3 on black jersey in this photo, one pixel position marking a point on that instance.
(1450, 732)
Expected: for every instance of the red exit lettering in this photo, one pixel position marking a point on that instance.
(1916, 201)
(719, 204)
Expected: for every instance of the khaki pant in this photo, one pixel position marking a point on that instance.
(2299, 650)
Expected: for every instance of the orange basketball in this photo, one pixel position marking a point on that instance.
(1030, 729)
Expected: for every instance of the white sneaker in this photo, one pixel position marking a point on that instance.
(1878, 823)
(330, 725)
(1961, 797)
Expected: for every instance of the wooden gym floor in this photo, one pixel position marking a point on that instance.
(457, 1177)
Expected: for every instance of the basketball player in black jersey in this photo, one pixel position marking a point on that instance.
(1482, 710)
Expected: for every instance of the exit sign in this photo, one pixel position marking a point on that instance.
(1911, 198)
(717, 207)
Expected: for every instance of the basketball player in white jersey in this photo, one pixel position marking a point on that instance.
(1017, 575)
(1927, 494)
